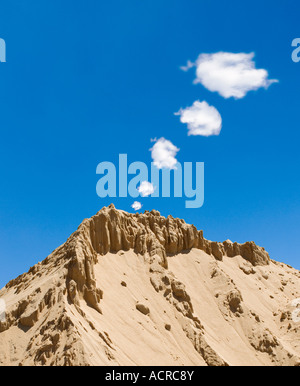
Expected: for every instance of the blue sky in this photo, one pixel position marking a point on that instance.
(86, 81)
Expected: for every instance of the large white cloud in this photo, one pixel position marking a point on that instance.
(163, 154)
(146, 188)
(201, 119)
(231, 75)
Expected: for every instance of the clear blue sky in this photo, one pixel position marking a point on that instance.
(85, 81)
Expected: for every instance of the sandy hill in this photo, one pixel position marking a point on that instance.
(142, 289)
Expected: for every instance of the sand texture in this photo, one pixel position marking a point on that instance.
(142, 289)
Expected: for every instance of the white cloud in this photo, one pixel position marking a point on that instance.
(201, 119)
(163, 154)
(146, 188)
(188, 66)
(136, 205)
(231, 75)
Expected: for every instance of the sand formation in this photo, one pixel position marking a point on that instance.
(142, 289)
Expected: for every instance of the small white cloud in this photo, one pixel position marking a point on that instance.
(188, 66)
(146, 188)
(163, 154)
(231, 75)
(136, 205)
(201, 119)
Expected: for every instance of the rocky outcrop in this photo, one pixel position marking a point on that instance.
(150, 233)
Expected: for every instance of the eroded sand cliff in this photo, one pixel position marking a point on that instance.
(142, 289)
